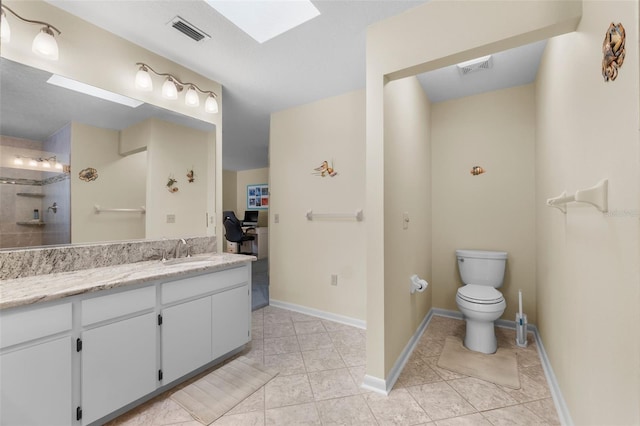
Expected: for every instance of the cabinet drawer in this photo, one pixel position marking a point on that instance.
(203, 284)
(20, 326)
(119, 304)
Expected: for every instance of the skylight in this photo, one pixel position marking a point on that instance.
(265, 19)
(67, 83)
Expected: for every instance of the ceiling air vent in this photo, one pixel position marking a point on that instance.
(191, 31)
(480, 64)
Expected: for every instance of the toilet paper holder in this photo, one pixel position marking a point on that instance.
(417, 284)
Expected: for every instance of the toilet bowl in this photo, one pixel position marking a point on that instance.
(481, 304)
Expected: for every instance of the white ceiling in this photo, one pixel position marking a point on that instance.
(321, 58)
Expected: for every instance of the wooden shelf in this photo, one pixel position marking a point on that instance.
(31, 223)
(29, 194)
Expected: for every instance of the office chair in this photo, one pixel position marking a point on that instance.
(234, 233)
(229, 213)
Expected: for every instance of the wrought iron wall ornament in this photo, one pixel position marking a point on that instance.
(613, 51)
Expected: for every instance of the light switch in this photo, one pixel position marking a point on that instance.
(171, 218)
(276, 218)
(405, 220)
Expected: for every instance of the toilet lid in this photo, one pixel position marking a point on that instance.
(481, 294)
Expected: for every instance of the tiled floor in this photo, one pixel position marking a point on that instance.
(322, 364)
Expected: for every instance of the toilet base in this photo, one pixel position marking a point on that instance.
(480, 336)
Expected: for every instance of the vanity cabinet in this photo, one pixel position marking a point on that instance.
(36, 366)
(118, 350)
(212, 322)
(87, 357)
(186, 338)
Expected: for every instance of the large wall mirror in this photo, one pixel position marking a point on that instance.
(64, 153)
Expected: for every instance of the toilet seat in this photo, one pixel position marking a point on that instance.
(480, 294)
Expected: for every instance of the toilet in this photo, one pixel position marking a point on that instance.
(481, 272)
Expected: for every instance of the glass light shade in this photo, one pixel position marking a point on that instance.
(46, 164)
(5, 30)
(33, 163)
(58, 166)
(45, 45)
(169, 90)
(143, 80)
(18, 161)
(211, 105)
(191, 98)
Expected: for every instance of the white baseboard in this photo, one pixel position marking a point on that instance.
(354, 322)
(383, 387)
(374, 384)
(556, 394)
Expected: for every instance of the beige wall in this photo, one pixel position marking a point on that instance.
(303, 254)
(172, 151)
(588, 262)
(407, 190)
(120, 184)
(229, 190)
(492, 211)
(395, 49)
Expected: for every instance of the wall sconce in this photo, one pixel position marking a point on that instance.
(45, 163)
(44, 44)
(172, 86)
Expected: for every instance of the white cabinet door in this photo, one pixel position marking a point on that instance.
(186, 338)
(231, 310)
(36, 385)
(118, 365)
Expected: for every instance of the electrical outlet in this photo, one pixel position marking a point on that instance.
(276, 218)
(171, 218)
(334, 279)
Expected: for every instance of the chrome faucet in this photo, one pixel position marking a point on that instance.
(181, 241)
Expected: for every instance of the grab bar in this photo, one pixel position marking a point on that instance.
(99, 210)
(358, 215)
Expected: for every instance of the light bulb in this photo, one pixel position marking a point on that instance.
(18, 161)
(211, 105)
(169, 89)
(5, 30)
(33, 163)
(46, 164)
(191, 98)
(58, 166)
(143, 80)
(45, 44)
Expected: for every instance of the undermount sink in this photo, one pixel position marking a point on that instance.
(192, 259)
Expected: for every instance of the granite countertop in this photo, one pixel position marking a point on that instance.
(43, 288)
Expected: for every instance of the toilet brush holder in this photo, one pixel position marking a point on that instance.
(521, 330)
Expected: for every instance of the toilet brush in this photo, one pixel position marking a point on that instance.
(521, 324)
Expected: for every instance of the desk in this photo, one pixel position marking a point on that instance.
(259, 246)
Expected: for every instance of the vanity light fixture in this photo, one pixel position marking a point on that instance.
(44, 44)
(172, 86)
(39, 161)
(170, 90)
(191, 97)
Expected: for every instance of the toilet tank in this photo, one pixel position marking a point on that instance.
(482, 267)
